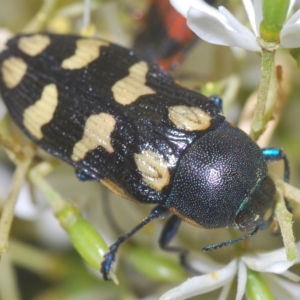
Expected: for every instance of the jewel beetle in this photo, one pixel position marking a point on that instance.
(124, 122)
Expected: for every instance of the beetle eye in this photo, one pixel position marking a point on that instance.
(258, 209)
(246, 220)
(268, 187)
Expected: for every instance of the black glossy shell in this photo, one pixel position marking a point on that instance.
(139, 145)
(125, 122)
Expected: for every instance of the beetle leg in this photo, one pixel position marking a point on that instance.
(83, 176)
(275, 154)
(158, 212)
(167, 234)
(218, 101)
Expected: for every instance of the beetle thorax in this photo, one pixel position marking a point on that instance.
(216, 174)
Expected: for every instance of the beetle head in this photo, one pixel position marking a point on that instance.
(257, 210)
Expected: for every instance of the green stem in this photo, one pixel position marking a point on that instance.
(11, 145)
(274, 15)
(285, 220)
(86, 240)
(36, 176)
(8, 209)
(9, 288)
(290, 193)
(39, 21)
(267, 68)
(36, 260)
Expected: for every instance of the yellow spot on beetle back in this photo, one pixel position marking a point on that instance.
(42, 111)
(34, 45)
(13, 70)
(87, 50)
(97, 131)
(130, 88)
(189, 118)
(154, 169)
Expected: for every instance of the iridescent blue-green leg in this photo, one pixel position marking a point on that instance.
(275, 154)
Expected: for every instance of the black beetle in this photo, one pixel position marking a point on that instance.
(122, 121)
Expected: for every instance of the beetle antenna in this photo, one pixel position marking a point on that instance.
(219, 245)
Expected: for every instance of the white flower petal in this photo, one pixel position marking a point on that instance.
(214, 31)
(25, 208)
(258, 15)
(274, 261)
(241, 280)
(251, 14)
(183, 6)
(204, 264)
(292, 3)
(294, 19)
(202, 284)
(225, 291)
(290, 33)
(234, 24)
(290, 36)
(292, 287)
(283, 289)
(291, 276)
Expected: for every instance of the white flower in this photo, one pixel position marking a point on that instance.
(270, 262)
(219, 26)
